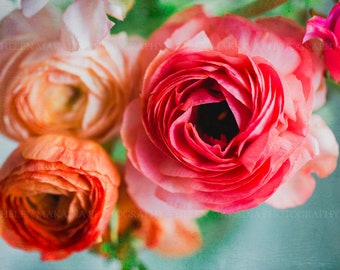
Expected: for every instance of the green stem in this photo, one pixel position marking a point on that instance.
(258, 7)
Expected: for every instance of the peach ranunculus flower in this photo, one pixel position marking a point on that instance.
(57, 194)
(46, 88)
(170, 237)
(328, 30)
(226, 106)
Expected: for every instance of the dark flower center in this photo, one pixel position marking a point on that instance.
(216, 121)
(50, 207)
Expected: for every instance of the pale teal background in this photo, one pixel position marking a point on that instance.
(306, 237)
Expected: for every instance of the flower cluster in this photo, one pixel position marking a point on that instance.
(216, 113)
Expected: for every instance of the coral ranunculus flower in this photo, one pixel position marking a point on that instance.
(226, 105)
(57, 194)
(46, 88)
(328, 30)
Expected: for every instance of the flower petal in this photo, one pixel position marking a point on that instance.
(78, 30)
(31, 7)
(180, 237)
(300, 187)
(325, 162)
(119, 8)
(294, 192)
(59, 207)
(143, 192)
(17, 24)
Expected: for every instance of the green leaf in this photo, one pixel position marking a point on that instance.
(118, 152)
(143, 18)
(123, 248)
(258, 7)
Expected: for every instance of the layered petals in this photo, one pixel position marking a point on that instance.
(47, 89)
(57, 194)
(225, 118)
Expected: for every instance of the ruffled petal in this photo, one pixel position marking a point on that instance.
(301, 186)
(78, 30)
(325, 162)
(294, 192)
(16, 24)
(144, 194)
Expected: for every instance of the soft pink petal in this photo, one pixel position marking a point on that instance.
(196, 38)
(301, 186)
(320, 96)
(294, 192)
(130, 125)
(256, 41)
(156, 41)
(31, 7)
(78, 29)
(17, 24)
(326, 161)
(283, 27)
(143, 192)
(293, 33)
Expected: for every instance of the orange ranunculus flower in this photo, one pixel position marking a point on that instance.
(57, 194)
(48, 86)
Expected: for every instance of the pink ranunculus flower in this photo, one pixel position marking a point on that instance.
(225, 107)
(47, 89)
(57, 194)
(328, 30)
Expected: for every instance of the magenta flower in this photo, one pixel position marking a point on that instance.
(327, 29)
